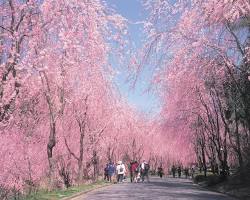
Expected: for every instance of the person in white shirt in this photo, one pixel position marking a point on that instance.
(120, 170)
(145, 170)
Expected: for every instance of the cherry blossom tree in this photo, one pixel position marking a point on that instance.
(18, 23)
(202, 45)
(64, 56)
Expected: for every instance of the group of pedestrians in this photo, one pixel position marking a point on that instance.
(111, 171)
(187, 172)
(176, 170)
(138, 171)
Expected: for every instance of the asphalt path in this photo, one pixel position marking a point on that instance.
(156, 189)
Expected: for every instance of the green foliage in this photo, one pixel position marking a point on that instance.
(59, 194)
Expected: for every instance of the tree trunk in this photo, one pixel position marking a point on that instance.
(238, 145)
(204, 161)
(95, 165)
(50, 145)
(80, 168)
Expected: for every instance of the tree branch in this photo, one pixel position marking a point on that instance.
(69, 150)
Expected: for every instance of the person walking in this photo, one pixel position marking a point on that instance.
(136, 170)
(145, 171)
(133, 170)
(120, 169)
(137, 173)
(106, 177)
(192, 172)
(111, 171)
(186, 172)
(130, 170)
(179, 171)
(160, 171)
(173, 171)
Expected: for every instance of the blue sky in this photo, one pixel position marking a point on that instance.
(138, 97)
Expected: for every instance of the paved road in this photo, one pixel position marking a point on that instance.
(167, 189)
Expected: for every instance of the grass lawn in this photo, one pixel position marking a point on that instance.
(59, 194)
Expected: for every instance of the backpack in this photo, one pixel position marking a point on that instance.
(121, 169)
(146, 167)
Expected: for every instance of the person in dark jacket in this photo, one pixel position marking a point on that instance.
(173, 171)
(160, 171)
(179, 171)
(106, 177)
(145, 171)
(186, 172)
(111, 171)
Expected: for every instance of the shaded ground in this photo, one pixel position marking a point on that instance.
(167, 189)
(234, 186)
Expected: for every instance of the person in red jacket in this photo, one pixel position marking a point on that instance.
(133, 170)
